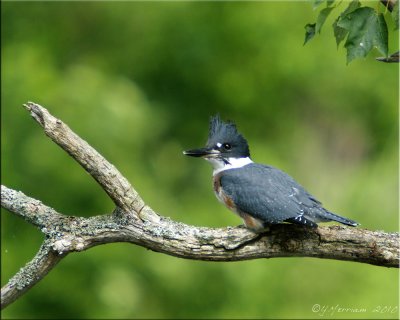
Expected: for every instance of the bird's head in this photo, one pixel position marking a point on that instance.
(224, 144)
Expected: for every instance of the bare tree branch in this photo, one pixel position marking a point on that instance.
(34, 271)
(110, 179)
(65, 234)
(31, 210)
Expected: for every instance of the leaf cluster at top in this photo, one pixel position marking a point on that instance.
(363, 28)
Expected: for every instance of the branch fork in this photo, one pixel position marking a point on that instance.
(135, 222)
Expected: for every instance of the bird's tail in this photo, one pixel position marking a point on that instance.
(334, 217)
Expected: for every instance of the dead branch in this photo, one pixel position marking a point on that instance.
(66, 234)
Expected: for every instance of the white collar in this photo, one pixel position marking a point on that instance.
(233, 163)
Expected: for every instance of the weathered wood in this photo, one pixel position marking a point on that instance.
(66, 234)
(110, 179)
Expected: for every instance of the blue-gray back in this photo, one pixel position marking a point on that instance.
(267, 193)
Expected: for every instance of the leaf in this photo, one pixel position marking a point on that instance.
(381, 41)
(310, 32)
(366, 29)
(316, 3)
(395, 15)
(312, 28)
(324, 13)
(355, 4)
(340, 33)
(330, 3)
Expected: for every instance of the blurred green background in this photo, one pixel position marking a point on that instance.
(139, 82)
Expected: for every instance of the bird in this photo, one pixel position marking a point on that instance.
(261, 195)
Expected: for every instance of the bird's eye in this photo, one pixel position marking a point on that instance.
(227, 146)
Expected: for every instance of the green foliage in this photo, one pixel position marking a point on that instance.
(364, 27)
(323, 14)
(339, 32)
(395, 15)
(310, 32)
(139, 81)
(312, 28)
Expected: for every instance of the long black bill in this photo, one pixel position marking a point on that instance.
(202, 152)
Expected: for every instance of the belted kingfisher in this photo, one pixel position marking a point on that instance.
(260, 194)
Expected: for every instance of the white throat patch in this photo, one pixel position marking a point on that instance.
(233, 163)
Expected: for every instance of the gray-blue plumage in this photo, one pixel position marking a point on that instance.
(272, 196)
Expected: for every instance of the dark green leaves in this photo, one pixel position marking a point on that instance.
(363, 28)
(324, 13)
(395, 15)
(316, 3)
(366, 29)
(339, 32)
(313, 28)
(310, 32)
